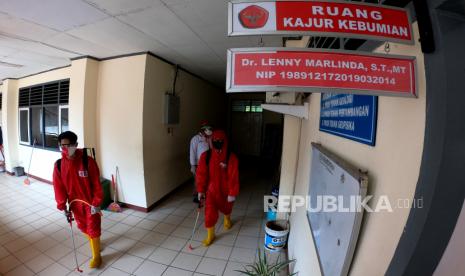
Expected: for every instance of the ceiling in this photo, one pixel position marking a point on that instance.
(40, 35)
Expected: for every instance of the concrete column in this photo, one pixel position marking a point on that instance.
(290, 155)
(83, 100)
(10, 123)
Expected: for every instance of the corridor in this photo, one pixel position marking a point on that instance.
(35, 238)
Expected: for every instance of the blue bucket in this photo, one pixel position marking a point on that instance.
(276, 233)
(270, 215)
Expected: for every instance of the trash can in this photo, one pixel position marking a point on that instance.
(18, 171)
(106, 193)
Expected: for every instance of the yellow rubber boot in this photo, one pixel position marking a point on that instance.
(210, 236)
(96, 260)
(227, 224)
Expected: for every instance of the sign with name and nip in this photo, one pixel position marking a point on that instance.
(350, 116)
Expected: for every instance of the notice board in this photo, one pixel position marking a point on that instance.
(350, 116)
(335, 233)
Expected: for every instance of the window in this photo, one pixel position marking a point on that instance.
(43, 113)
(64, 123)
(24, 126)
(51, 126)
(36, 126)
(246, 106)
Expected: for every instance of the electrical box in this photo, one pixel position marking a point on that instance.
(172, 109)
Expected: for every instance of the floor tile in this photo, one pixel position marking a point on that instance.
(116, 216)
(173, 219)
(181, 212)
(27, 254)
(123, 244)
(127, 263)
(39, 263)
(212, 266)
(197, 248)
(154, 238)
(131, 220)
(6, 238)
(163, 256)
(33, 237)
(58, 251)
(165, 228)
(8, 263)
(45, 243)
(186, 261)
(226, 239)
(219, 251)
(114, 272)
(246, 242)
(142, 250)
(253, 231)
(54, 270)
(64, 234)
(231, 268)
(243, 255)
(150, 268)
(147, 224)
(173, 271)
(110, 255)
(119, 228)
(85, 249)
(174, 243)
(182, 232)
(156, 216)
(136, 233)
(3, 252)
(21, 270)
(69, 261)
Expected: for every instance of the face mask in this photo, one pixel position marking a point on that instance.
(68, 151)
(71, 151)
(218, 144)
(208, 132)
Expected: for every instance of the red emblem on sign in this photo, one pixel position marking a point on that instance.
(253, 17)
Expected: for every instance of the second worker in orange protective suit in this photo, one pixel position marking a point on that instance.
(217, 179)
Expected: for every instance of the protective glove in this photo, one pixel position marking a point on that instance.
(231, 198)
(94, 210)
(193, 169)
(68, 215)
(201, 196)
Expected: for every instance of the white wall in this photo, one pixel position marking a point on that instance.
(393, 167)
(119, 125)
(166, 162)
(10, 123)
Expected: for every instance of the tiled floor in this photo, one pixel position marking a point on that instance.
(35, 238)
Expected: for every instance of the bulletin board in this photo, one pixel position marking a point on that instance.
(335, 232)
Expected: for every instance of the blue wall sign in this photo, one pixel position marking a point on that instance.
(351, 116)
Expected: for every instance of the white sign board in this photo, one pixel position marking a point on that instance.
(335, 233)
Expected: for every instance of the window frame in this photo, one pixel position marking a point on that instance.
(60, 107)
(58, 104)
(21, 142)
